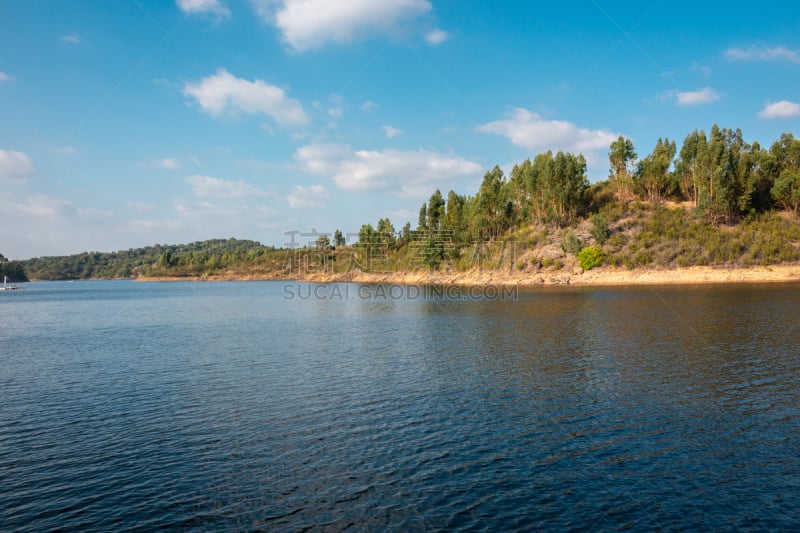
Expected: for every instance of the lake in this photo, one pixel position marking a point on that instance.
(280, 406)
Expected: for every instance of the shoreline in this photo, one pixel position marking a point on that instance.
(603, 276)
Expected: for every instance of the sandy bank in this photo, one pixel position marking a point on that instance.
(599, 276)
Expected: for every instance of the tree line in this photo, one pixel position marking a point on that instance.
(13, 270)
(720, 175)
(193, 258)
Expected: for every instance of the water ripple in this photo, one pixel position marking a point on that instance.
(223, 406)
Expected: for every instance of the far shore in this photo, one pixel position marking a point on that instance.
(604, 276)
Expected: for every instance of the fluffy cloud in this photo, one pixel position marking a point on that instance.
(436, 37)
(224, 93)
(309, 24)
(312, 197)
(406, 173)
(528, 130)
(15, 167)
(4, 76)
(763, 53)
(391, 132)
(207, 186)
(782, 109)
(705, 95)
(201, 7)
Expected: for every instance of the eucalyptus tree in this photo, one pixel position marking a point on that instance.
(690, 167)
(422, 222)
(455, 219)
(386, 233)
(786, 190)
(785, 153)
(622, 158)
(653, 172)
(490, 204)
(436, 211)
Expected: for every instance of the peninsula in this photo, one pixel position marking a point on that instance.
(720, 209)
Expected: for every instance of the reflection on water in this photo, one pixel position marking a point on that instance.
(229, 406)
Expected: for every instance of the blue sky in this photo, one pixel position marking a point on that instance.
(132, 122)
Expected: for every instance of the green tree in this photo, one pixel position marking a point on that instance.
(367, 235)
(422, 223)
(165, 261)
(338, 239)
(691, 166)
(652, 174)
(599, 229)
(455, 219)
(386, 233)
(622, 157)
(567, 186)
(786, 191)
(490, 204)
(436, 211)
(323, 243)
(13, 270)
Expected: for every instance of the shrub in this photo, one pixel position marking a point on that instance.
(590, 257)
(600, 230)
(571, 244)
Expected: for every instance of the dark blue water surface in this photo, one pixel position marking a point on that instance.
(249, 406)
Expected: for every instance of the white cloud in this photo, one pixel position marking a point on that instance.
(72, 37)
(200, 7)
(15, 167)
(309, 24)
(705, 95)
(436, 37)
(40, 205)
(141, 206)
(703, 69)
(337, 106)
(529, 130)
(4, 76)
(406, 173)
(167, 164)
(782, 109)
(207, 186)
(312, 197)
(65, 150)
(391, 132)
(401, 216)
(225, 93)
(763, 53)
(369, 105)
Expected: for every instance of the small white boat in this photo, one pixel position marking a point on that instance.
(7, 287)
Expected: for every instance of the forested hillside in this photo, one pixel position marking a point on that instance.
(13, 270)
(196, 256)
(718, 200)
(714, 201)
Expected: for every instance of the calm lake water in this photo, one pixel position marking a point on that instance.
(249, 406)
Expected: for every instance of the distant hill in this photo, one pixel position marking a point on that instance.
(11, 269)
(194, 257)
